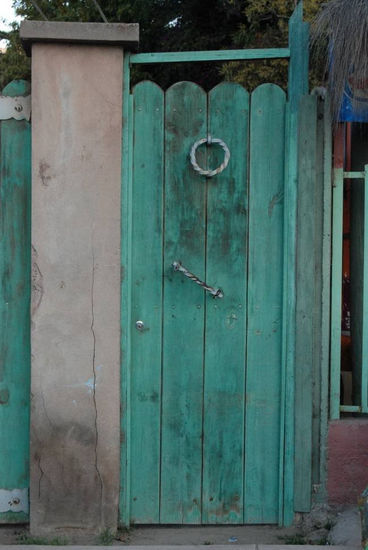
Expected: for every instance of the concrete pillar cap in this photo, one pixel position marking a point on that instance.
(125, 35)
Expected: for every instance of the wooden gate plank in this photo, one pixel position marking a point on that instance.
(182, 391)
(226, 259)
(305, 302)
(147, 220)
(15, 276)
(265, 283)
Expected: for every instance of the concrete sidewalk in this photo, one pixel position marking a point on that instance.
(188, 547)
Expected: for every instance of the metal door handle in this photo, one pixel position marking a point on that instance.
(216, 292)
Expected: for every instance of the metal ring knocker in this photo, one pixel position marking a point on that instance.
(209, 140)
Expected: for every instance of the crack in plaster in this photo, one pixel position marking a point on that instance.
(95, 374)
(42, 473)
(37, 284)
(45, 410)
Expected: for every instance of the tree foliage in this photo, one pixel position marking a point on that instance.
(178, 25)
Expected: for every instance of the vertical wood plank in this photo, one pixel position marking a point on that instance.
(182, 390)
(336, 277)
(357, 284)
(265, 300)
(326, 295)
(364, 367)
(317, 328)
(15, 277)
(297, 86)
(306, 277)
(146, 295)
(226, 264)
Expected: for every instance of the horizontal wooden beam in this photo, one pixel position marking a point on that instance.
(212, 55)
(350, 408)
(354, 175)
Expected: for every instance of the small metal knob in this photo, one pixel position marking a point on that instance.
(139, 325)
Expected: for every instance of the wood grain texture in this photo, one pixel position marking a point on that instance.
(297, 87)
(183, 346)
(15, 277)
(336, 279)
(215, 55)
(305, 303)
(364, 367)
(265, 283)
(226, 264)
(146, 296)
(325, 295)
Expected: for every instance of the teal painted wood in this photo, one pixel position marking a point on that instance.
(326, 296)
(364, 367)
(146, 296)
(226, 265)
(306, 276)
(354, 175)
(357, 225)
(15, 276)
(351, 408)
(283, 402)
(215, 55)
(265, 300)
(182, 377)
(336, 277)
(297, 86)
(126, 321)
(317, 325)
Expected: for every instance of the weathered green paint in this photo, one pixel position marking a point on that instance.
(297, 87)
(357, 258)
(317, 295)
(364, 364)
(226, 265)
(192, 459)
(183, 345)
(146, 295)
(265, 281)
(325, 296)
(306, 321)
(359, 289)
(215, 55)
(215, 404)
(15, 273)
(336, 276)
(354, 175)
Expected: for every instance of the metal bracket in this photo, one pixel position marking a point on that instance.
(15, 107)
(14, 500)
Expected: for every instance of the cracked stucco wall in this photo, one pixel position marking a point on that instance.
(76, 128)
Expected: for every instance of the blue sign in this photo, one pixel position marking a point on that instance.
(354, 107)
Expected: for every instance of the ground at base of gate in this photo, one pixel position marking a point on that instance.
(199, 547)
(261, 537)
(338, 528)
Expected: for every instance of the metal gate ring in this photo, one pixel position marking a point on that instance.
(209, 141)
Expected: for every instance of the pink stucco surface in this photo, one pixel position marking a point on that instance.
(347, 468)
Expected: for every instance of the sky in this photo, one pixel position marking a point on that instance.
(7, 15)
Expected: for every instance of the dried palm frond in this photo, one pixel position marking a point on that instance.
(340, 36)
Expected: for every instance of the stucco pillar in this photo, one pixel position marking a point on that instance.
(75, 333)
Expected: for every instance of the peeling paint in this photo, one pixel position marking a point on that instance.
(18, 107)
(14, 500)
(276, 199)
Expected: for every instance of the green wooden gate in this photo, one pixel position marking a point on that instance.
(207, 384)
